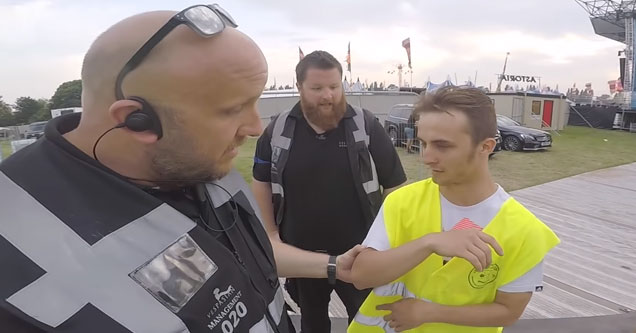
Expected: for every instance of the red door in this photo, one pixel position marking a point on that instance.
(547, 113)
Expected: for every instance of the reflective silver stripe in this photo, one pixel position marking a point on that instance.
(262, 326)
(360, 136)
(373, 321)
(278, 143)
(361, 133)
(393, 289)
(233, 182)
(277, 305)
(278, 140)
(78, 273)
(373, 185)
(276, 308)
(277, 189)
(282, 142)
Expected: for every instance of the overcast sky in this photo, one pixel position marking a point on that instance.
(42, 42)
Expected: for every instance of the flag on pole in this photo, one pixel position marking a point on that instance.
(407, 45)
(349, 57)
(301, 55)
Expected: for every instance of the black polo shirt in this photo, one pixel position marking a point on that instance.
(322, 208)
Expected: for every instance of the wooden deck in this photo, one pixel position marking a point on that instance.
(593, 271)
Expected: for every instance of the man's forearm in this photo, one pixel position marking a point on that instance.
(294, 262)
(375, 268)
(481, 315)
(290, 261)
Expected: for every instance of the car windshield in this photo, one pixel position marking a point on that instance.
(37, 127)
(505, 121)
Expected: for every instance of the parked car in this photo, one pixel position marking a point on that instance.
(35, 130)
(498, 145)
(516, 137)
(396, 120)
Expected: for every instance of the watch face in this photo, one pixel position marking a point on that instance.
(331, 270)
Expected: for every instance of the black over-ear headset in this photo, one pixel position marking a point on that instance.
(140, 120)
(144, 119)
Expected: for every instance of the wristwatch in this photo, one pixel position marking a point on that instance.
(331, 270)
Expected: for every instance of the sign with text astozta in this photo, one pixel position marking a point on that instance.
(518, 78)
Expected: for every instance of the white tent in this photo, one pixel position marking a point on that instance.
(346, 85)
(357, 86)
(430, 86)
(5, 132)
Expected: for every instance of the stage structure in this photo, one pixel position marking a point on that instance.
(615, 19)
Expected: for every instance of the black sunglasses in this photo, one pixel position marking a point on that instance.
(206, 20)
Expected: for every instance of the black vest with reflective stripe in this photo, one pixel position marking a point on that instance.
(281, 130)
(64, 269)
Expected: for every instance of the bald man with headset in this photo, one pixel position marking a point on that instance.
(130, 218)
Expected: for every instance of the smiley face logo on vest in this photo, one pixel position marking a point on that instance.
(479, 280)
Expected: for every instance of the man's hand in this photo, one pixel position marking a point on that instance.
(407, 313)
(470, 244)
(410, 313)
(344, 262)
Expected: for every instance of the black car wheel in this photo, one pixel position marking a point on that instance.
(511, 142)
(393, 136)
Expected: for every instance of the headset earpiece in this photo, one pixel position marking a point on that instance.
(138, 121)
(144, 119)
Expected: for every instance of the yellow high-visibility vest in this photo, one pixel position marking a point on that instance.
(414, 211)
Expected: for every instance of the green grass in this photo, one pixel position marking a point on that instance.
(245, 159)
(5, 149)
(576, 150)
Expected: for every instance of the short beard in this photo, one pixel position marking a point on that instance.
(326, 121)
(170, 170)
(176, 161)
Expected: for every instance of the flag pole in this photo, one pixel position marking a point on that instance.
(406, 44)
(349, 56)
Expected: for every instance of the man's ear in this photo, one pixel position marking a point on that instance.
(488, 145)
(120, 110)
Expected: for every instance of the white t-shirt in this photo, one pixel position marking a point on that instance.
(464, 217)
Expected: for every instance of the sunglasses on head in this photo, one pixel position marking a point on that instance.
(206, 20)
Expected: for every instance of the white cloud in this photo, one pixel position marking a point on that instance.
(42, 42)
(560, 49)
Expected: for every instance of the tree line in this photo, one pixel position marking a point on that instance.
(27, 109)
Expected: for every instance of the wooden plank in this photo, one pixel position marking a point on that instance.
(593, 214)
(554, 302)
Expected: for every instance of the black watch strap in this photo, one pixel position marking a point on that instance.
(331, 270)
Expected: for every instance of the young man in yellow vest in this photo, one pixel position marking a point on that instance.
(435, 253)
